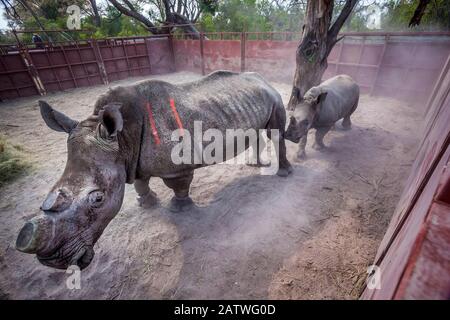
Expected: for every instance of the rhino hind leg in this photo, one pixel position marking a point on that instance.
(277, 121)
(180, 186)
(320, 133)
(147, 198)
(347, 123)
(301, 153)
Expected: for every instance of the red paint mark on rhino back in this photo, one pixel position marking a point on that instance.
(177, 116)
(152, 123)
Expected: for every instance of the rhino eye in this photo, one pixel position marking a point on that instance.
(96, 198)
(103, 132)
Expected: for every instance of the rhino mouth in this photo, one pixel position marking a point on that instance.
(82, 257)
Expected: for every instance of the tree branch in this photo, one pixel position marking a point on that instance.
(97, 18)
(130, 5)
(139, 17)
(174, 18)
(418, 13)
(337, 25)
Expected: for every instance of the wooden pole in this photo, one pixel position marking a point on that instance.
(380, 62)
(202, 54)
(26, 58)
(243, 36)
(99, 59)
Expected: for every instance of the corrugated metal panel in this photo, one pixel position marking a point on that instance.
(59, 67)
(416, 246)
(403, 67)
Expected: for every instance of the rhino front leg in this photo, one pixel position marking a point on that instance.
(180, 186)
(147, 198)
(277, 121)
(320, 133)
(347, 123)
(257, 150)
(301, 154)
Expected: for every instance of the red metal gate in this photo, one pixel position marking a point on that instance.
(26, 70)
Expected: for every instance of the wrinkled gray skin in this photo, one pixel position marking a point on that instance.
(115, 146)
(320, 108)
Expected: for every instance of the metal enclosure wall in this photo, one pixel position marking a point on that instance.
(414, 256)
(15, 78)
(66, 67)
(29, 71)
(403, 66)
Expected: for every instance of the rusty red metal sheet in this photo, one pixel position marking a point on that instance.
(187, 55)
(427, 273)
(160, 53)
(381, 65)
(225, 54)
(402, 253)
(15, 78)
(415, 248)
(71, 65)
(273, 59)
(432, 145)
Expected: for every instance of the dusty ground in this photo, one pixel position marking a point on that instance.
(310, 235)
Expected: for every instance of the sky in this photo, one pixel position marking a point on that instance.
(3, 24)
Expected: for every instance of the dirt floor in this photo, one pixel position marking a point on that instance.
(309, 236)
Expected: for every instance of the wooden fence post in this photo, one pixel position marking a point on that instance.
(172, 51)
(98, 58)
(202, 54)
(386, 39)
(25, 55)
(243, 36)
(32, 71)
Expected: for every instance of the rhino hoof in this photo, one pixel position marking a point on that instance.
(180, 204)
(284, 172)
(347, 127)
(148, 201)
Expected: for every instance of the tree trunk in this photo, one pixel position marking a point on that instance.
(97, 18)
(318, 39)
(418, 13)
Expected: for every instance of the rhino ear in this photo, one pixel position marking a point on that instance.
(321, 97)
(297, 94)
(55, 119)
(111, 118)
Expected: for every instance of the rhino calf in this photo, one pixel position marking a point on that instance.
(127, 139)
(320, 108)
